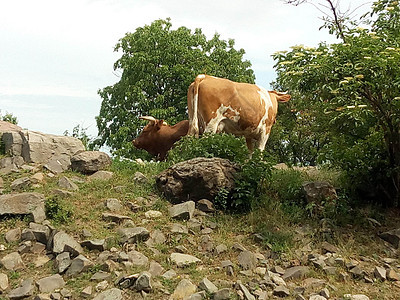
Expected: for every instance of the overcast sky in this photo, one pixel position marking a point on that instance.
(55, 55)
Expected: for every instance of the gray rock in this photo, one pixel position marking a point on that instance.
(247, 295)
(113, 204)
(295, 273)
(96, 244)
(247, 260)
(89, 162)
(50, 284)
(23, 204)
(3, 282)
(139, 177)
(133, 234)
(101, 175)
(380, 273)
(100, 276)
(143, 282)
(196, 179)
(325, 293)
(392, 237)
(327, 247)
(281, 291)
(13, 235)
(205, 205)
(156, 238)
(197, 296)
(222, 294)
(183, 211)
(184, 289)
(355, 297)
(317, 297)
(66, 183)
(116, 218)
(62, 262)
(183, 260)
(170, 274)
(12, 261)
(221, 248)
(87, 292)
(20, 184)
(23, 291)
(78, 265)
(137, 259)
(58, 165)
(392, 275)
(63, 242)
(155, 269)
(318, 191)
(179, 228)
(208, 286)
(110, 294)
(357, 272)
(40, 232)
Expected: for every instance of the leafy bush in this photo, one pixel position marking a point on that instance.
(58, 210)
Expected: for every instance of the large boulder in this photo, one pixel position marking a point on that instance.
(23, 204)
(319, 191)
(89, 162)
(196, 179)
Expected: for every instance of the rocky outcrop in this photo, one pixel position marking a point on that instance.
(23, 204)
(196, 179)
(89, 162)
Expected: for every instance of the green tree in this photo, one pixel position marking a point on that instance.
(157, 65)
(352, 90)
(9, 117)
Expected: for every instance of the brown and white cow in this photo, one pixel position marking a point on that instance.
(243, 109)
(158, 137)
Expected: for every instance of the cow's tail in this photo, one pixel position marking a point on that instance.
(193, 102)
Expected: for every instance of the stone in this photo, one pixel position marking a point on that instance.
(170, 274)
(281, 291)
(317, 297)
(96, 244)
(100, 276)
(330, 270)
(153, 214)
(87, 292)
(155, 269)
(137, 259)
(196, 179)
(325, 293)
(247, 260)
(37, 178)
(13, 235)
(20, 184)
(110, 294)
(392, 237)
(78, 265)
(184, 289)
(222, 294)
(205, 205)
(101, 175)
(50, 284)
(66, 183)
(139, 177)
(277, 269)
(133, 234)
(101, 286)
(179, 228)
(23, 291)
(295, 273)
(23, 204)
(63, 242)
(62, 262)
(41, 260)
(143, 282)
(113, 204)
(208, 286)
(183, 260)
(89, 162)
(278, 280)
(183, 211)
(319, 191)
(247, 295)
(357, 272)
(221, 248)
(57, 165)
(380, 273)
(12, 261)
(329, 248)
(355, 297)
(3, 282)
(116, 218)
(156, 238)
(392, 275)
(40, 232)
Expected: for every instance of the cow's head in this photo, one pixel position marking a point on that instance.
(148, 138)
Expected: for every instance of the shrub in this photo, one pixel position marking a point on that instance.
(58, 210)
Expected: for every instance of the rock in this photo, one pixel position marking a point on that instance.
(78, 265)
(116, 218)
(222, 294)
(87, 292)
(13, 235)
(205, 205)
(392, 275)
(50, 284)
(101, 175)
(380, 273)
(153, 214)
(133, 234)
(392, 237)
(23, 291)
(183, 211)
(8, 127)
(196, 179)
(89, 162)
(113, 204)
(183, 260)
(40, 232)
(184, 289)
(317, 297)
(57, 165)
(275, 278)
(357, 272)
(101, 286)
(155, 269)
(37, 178)
(179, 228)
(139, 177)
(62, 262)
(63, 242)
(100, 276)
(281, 291)
(156, 238)
(137, 259)
(246, 293)
(247, 260)
(20, 184)
(170, 274)
(23, 204)
(355, 297)
(12, 261)
(277, 269)
(96, 244)
(3, 282)
(208, 286)
(221, 248)
(327, 247)
(66, 183)
(143, 282)
(111, 294)
(295, 273)
(319, 191)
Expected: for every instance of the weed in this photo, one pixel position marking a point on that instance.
(58, 210)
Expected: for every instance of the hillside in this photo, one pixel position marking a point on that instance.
(121, 226)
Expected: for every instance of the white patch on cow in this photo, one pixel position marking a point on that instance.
(201, 76)
(265, 99)
(214, 125)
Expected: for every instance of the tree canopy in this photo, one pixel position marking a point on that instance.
(156, 67)
(348, 94)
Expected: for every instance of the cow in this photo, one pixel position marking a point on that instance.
(243, 109)
(158, 137)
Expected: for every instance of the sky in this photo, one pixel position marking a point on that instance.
(55, 54)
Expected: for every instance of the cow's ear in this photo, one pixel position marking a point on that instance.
(159, 123)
